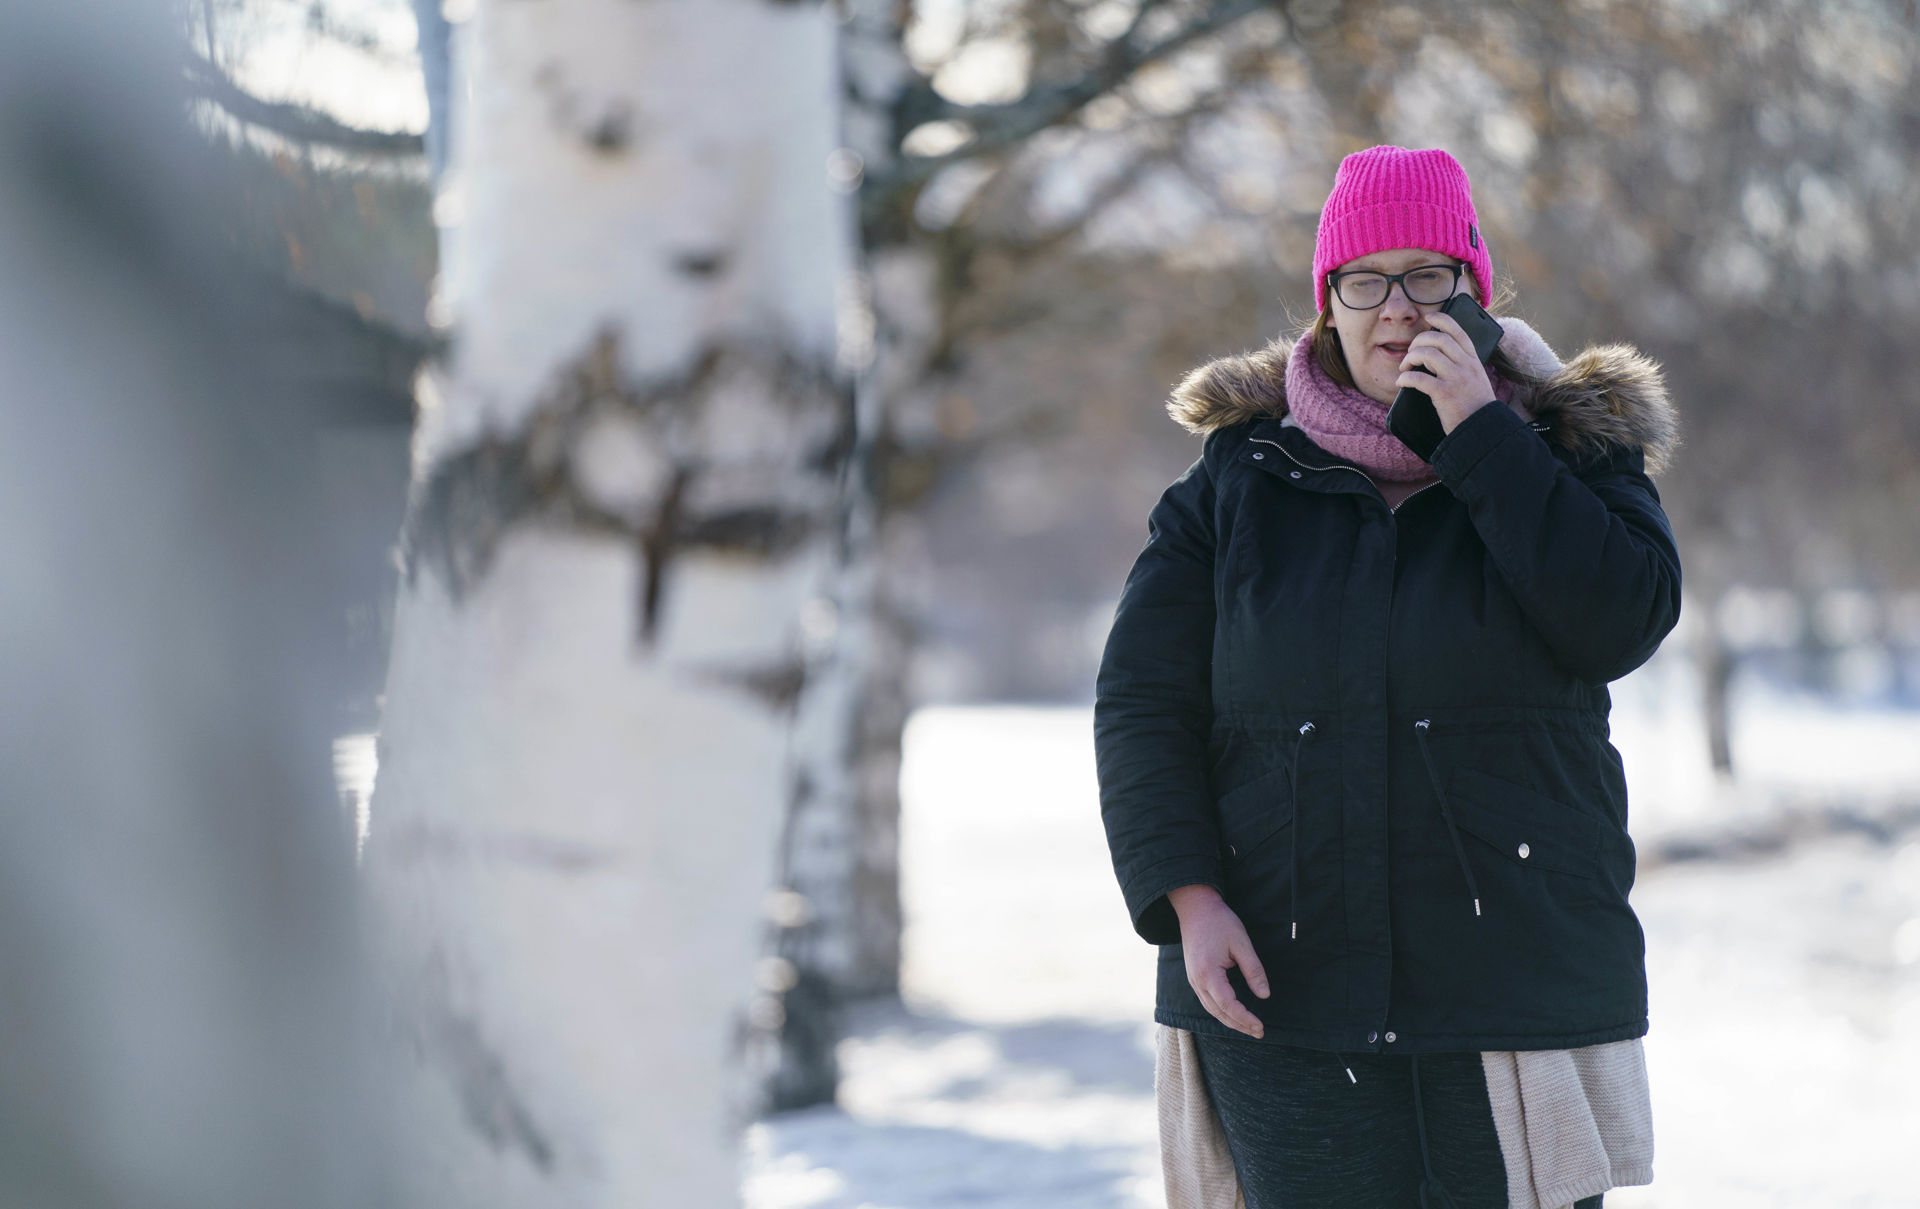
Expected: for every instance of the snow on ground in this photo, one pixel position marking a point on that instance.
(1785, 1049)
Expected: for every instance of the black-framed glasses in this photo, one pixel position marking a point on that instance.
(1364, 289)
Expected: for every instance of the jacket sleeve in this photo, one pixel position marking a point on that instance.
(1153, 710)
(1587, 553)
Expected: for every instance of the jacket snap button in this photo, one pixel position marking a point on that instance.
(1391, 1038)
(1525, 852)
(1258, 456)
(1296, 474)
(1372, 1037)
(1232, 851)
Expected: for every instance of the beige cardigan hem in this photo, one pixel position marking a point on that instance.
(1572, 1124)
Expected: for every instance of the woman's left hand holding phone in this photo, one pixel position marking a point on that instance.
(1458, 383)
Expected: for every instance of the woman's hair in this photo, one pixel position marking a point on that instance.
(1333, 359)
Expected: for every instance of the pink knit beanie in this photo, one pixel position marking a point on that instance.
(1392, 197)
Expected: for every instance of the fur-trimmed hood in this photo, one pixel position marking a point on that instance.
(1608, 395)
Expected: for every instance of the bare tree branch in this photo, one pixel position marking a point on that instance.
(1169, 145)
(1000, 127)
(296, 122)
(323, 24)
(997, 127)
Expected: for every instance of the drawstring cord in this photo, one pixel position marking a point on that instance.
(1433, 1194)
(1293, 839)
(1459, 850)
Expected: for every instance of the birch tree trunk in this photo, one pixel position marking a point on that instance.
(903, 446)
(902, 312)
(837, 932)
(622, 527)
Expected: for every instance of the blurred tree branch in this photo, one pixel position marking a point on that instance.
(322, 23)
(299, 123)
(1000, 127)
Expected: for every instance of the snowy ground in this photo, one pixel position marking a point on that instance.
(1785, 1050)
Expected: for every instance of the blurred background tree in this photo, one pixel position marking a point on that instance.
(312, 112)
(184, 1002)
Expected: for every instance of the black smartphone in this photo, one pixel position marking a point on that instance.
(1412, 417)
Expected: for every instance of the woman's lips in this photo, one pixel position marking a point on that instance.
(1391, 351)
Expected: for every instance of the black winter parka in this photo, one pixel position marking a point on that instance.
(1382, 734)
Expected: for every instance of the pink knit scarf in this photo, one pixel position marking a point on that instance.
(1348, 424)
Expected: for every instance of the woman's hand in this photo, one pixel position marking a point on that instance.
(1214, 940)
(1459, 385)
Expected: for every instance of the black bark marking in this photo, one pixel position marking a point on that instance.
(611, 132)
(656, 551)
(607, 128)
(471, 499)
(488, 1101)
(778, 683)
(700, 262)
(762, 532)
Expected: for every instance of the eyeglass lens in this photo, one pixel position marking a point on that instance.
(1427, 286)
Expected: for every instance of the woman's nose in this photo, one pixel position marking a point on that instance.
(1397, 301)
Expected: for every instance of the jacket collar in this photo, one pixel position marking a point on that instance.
(1284, 448)
(1607, 396)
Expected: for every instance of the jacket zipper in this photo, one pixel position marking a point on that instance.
(1416, 491)
(1363, 474)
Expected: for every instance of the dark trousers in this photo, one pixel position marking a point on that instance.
(1306, 1134)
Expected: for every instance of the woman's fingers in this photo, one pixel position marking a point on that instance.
(1226, 1006)
(1456, 381)
(1215, 941)
(1448, 326)
(1435, 350)
(1240, 949)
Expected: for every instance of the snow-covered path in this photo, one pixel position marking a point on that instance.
(1785, 1051)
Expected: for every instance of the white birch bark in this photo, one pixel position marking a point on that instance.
(840, 857)
(623, 511)
(837, 935)
(887, 566)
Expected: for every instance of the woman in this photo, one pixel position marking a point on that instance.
(1352, 735)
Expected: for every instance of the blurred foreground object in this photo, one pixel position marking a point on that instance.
(625, 501)
(179, 990)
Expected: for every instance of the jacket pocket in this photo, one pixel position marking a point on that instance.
(1525, 826)
(1253, 813)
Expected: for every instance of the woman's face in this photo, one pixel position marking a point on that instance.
(1374, 341)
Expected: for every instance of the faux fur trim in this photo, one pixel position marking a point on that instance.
(1607, 395)
(1611, 395)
